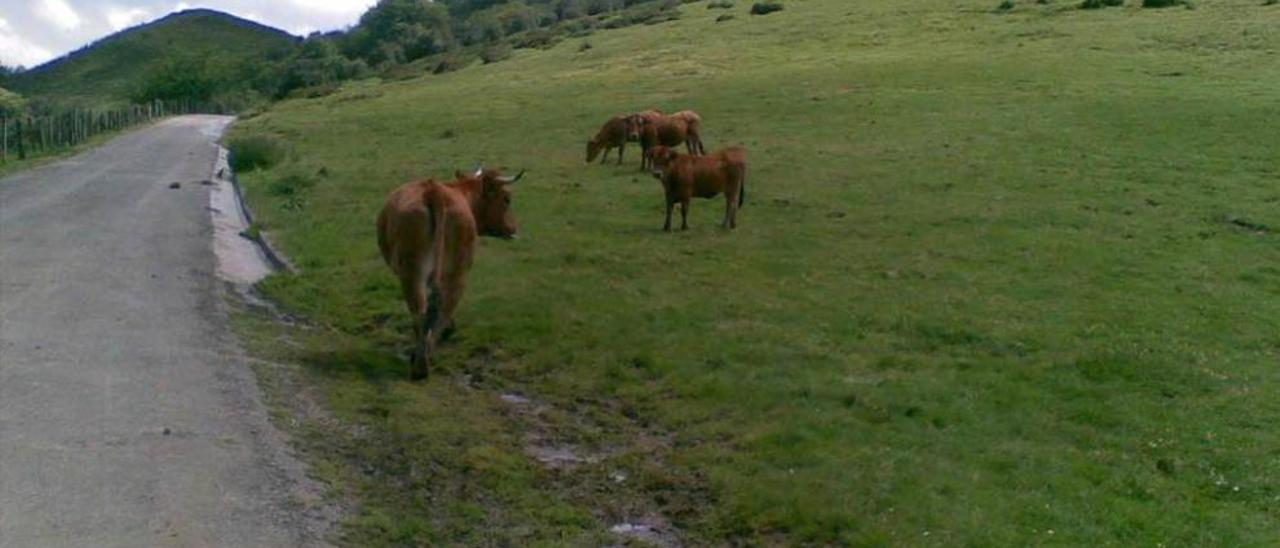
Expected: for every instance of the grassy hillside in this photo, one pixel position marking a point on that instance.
(1001, 279)
(111, 69)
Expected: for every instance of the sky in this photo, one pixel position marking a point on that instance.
(35, 31)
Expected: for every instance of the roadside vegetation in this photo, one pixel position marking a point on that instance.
(999, 280)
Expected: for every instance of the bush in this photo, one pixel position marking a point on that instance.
(254, 152)
(450, 64)
(1005, 5)
(540, 38)
(765, 8)
(1162, 3)
(725, 17)
(1099, 4)
(495, 53)
(720, 4)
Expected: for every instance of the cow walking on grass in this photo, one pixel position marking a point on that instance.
(685, 176)
(427, 232)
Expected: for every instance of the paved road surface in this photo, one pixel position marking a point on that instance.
(127, 417)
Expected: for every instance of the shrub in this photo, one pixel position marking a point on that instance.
(254, 152)
(725, 17)
(450, 64)
(1099, 4)
(1005, 5)
(585, 46)
(765, 8)
(495, 53)
(540, 38)
(720, 4)
(1162, 3)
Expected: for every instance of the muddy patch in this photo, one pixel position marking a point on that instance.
(538, 443)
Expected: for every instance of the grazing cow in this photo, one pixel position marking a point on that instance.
(638, 120)
(614, 134)
(685, 176)
(684, 127)
(427, 232)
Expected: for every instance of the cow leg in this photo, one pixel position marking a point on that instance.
(621, 148)
(666, 227)
(455, 280)
(415, 298)
(728, 211)
(605, 156)
(684, 214)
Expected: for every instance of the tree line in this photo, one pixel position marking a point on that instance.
(390, 35)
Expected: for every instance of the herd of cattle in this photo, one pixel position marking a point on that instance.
(427, 229)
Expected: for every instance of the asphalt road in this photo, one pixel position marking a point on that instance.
(128, 416)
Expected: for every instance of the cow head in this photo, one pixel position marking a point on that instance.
(634, 123)
(661, 157)
(493, 207)
(593, 150)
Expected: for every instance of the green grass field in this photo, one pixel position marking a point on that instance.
(1001, 279)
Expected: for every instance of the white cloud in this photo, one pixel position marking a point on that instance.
(120, 18)
(58, 13)
(14, 50)
(340, 7)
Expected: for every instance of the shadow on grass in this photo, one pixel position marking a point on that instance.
(371, 364)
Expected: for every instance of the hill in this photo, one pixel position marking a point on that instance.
(111, 69)
(1003, 277)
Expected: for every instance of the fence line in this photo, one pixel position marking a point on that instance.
(32, 135)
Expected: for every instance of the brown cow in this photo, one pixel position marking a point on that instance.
(427, 232)
(614, 134)
(685, 176)
(684, 127)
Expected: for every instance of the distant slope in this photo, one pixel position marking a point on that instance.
(109, 70)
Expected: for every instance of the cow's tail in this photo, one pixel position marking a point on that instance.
(742, 186)
(435, 262)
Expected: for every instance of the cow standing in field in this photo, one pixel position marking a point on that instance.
(656, 129)
(614, 134)
(427, 232)
(685, 176)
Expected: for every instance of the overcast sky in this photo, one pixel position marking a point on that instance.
(35, 31)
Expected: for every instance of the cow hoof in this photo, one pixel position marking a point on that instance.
(447, 333)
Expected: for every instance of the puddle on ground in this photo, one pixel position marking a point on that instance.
(515, 399)
(657, 534)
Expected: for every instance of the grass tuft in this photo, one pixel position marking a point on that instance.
(251, 152)
(765, 8)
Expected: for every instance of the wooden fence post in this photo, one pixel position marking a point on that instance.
(22, 151)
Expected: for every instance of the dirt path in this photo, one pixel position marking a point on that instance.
(127, 416)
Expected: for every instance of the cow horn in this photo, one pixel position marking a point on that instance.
(509, 180)
(479, 170)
